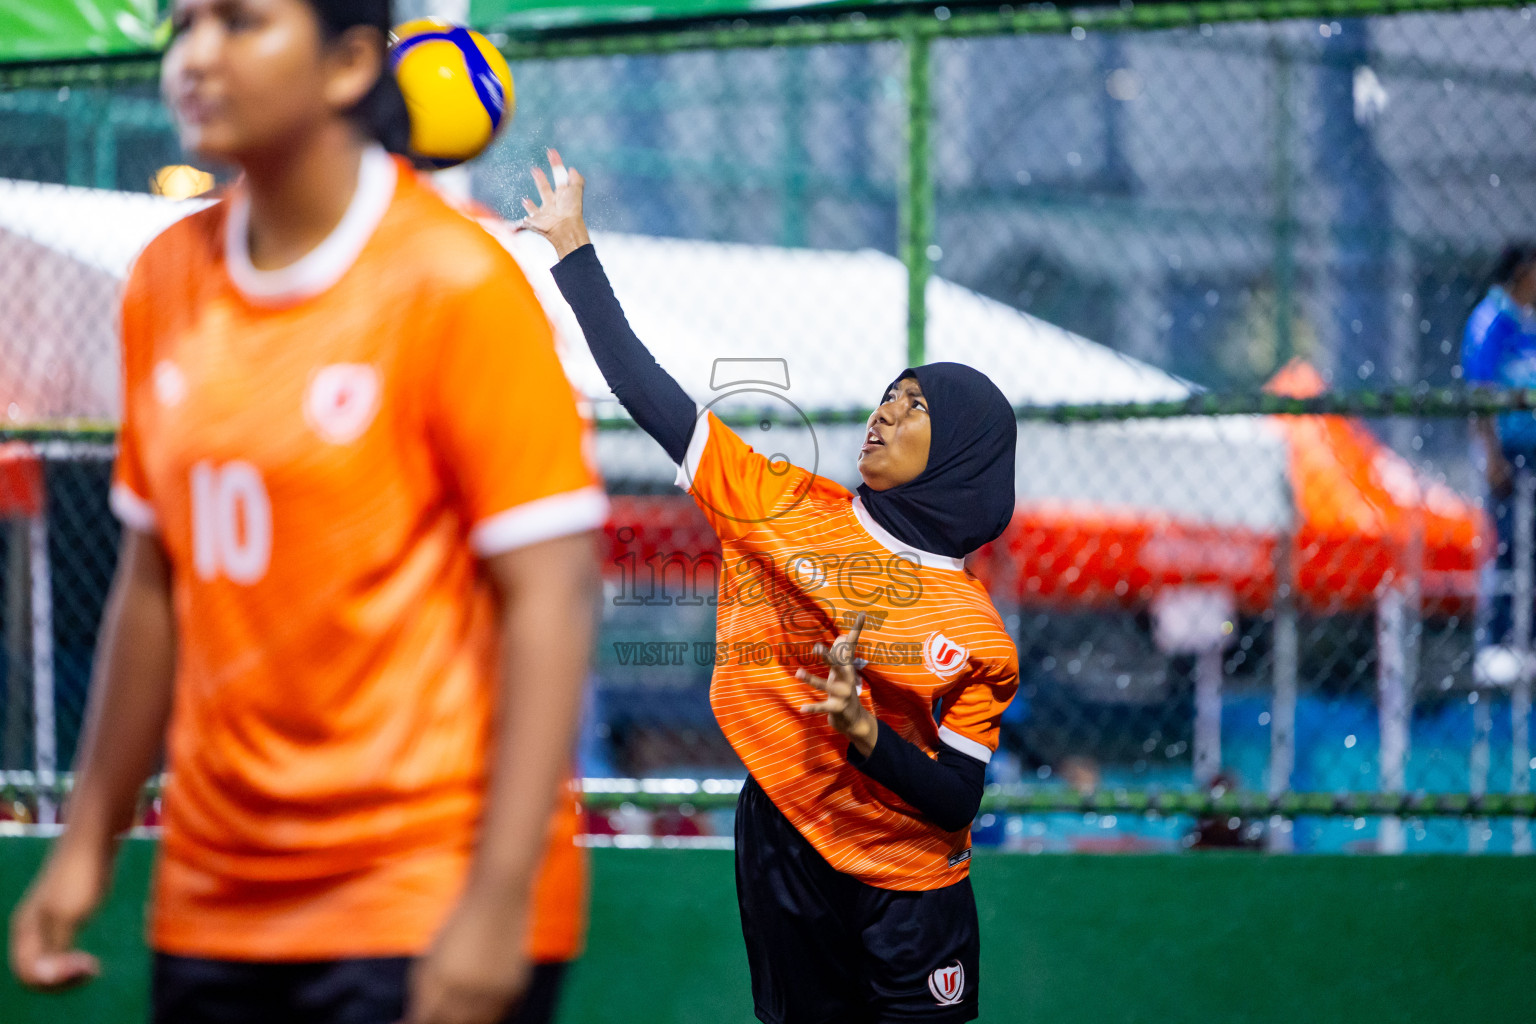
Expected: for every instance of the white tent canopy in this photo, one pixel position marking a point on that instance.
(837, 320)
(63, 254)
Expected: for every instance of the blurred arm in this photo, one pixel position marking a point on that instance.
(548, 597)
(126, 716)
(478, 965)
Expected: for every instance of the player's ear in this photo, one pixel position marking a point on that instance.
(380, 112)
(356, 64)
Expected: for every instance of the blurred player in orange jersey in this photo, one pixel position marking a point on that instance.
(358, 576)
(862, 673)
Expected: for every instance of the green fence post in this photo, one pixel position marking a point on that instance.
(916, 196)
(792, 230)
(1285, 223)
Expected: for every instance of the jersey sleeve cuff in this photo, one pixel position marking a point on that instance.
(131, 510)
(688, 469)
(965, 745)
(558, 515)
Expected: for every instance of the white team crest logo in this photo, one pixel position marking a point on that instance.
(341, 401)
(948, 983)
(943, 656)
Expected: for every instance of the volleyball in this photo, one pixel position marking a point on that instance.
(457, 88)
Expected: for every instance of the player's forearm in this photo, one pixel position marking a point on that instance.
(130, 696)
(657, 402)
(547, 628)
(946, 791)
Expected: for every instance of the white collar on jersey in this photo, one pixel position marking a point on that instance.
(325, 264)
(927, 559)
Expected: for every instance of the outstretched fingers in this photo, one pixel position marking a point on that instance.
(853, 634)
(843, 654)
(831, 705)
(819, 682)
(546, 190)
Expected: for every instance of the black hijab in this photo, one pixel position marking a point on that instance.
(964, 497)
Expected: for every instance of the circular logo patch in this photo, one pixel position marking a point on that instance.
(943, 656)
(342, 401)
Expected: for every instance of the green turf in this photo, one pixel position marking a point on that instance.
(116, 935)
(1236, 939)
(1242, 939)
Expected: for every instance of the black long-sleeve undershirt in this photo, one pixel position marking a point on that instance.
(946, 791)
(657, 402)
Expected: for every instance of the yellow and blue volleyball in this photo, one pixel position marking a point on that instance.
(457, 88)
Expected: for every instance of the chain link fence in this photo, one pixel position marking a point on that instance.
(1134, 219)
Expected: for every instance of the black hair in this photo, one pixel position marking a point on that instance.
(381, 113)
(1516, 259)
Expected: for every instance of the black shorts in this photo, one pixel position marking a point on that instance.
(192, 990)
(825, 947)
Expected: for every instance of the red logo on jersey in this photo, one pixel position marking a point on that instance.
(948, 983)
(341, 401)
(943, 656)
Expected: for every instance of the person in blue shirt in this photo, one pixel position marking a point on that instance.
(1498, 348)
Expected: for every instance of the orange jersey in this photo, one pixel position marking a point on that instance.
(801, 559)
(323, 451)
(559, 928)
(291, 915)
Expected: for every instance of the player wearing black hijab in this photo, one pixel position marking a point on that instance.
(964, 496)
(852, 832)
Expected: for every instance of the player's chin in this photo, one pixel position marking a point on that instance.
(214, 144)
(870, 471)
(234, 141)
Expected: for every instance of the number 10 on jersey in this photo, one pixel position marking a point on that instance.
(231, 522)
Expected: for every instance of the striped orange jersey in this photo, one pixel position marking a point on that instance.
(801, 559)
(323, 452)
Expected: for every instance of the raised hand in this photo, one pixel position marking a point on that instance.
(557, 214)
(842, 707)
